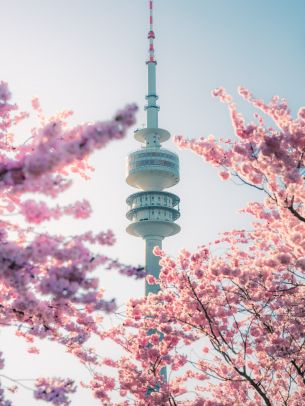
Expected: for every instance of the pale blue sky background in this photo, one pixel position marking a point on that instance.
(88, 55)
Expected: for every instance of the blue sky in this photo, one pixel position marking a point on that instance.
(90, 56)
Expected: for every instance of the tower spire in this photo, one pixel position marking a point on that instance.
(151, 108)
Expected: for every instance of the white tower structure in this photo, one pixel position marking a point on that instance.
(152, 169)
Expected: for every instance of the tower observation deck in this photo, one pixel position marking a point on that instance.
(152, 211)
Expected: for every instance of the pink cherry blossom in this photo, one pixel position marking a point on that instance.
(54, 390)
(228, 322)
(48, 289)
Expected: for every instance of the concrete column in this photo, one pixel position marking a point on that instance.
(152, 78)
(153, 268)
(152, 108)
(152, 262)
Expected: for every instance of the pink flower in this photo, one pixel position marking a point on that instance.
(224, 175)
(5, 94)
(54, 390)
(33, 350)
(301, 113)
(151, 279)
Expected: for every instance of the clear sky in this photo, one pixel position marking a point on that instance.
(88, 55)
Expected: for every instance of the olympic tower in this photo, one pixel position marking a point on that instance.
(152, 211)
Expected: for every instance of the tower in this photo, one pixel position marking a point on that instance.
(152, 211)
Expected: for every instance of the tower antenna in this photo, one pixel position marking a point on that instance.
(151, 33)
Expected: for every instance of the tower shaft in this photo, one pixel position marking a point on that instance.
(152, 169)
(152, 109)
(152, 211)
(152, 262)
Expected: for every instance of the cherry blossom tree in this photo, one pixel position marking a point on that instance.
(229, 320)
(46, 284)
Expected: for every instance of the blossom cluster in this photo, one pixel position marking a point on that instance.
(228, 322)
(54, 390)
(47, 285)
